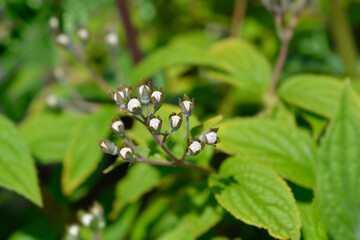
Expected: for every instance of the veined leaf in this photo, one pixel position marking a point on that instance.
(140, 179)
(286, 149)
(241, 66)
(338, 172)
(312, 225)
(18, 172)
(83, 154)
(47, 135)
(257, 196)
(315, 93)
(175, 54)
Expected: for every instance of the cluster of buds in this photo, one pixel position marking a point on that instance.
(134, 106)
(91, 223)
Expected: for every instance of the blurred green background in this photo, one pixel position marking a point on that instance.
(47, 87)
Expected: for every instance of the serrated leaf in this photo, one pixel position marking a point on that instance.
(338, 172)
(286, 149)
(83, 154)
(47, 135)
(18, 172)
(312, 225)
(241, 66)
(139, 179)
(315, 93)
(256, 195)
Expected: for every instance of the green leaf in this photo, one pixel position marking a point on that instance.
(83, 154)
(171, 55)
(241, 66)
(140, 179)
(47, 135)
(286, 149)
(315, 93)
(312, 225)
(18, 172)
(257, 196)
(198, 212)
(338, 172)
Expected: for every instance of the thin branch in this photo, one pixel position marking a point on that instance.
(133, 146)
(147, 109)
(187, 130)
(238, 17)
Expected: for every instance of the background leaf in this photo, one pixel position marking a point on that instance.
(338, 172)
(18, 172)
(83, 154)
(256, 195)
(286, 149)
(47, 135)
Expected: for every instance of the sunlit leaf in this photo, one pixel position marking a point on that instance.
(256, 195)
(18, 172)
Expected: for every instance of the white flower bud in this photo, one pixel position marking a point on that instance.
(112, 39)
(157, 95)
(108, 147)
(211, 137)
(134, 106)
(74, 230)
(52, 101)
(155, 123)
(144, 91)
(83, 34)
(195, 148)
(54, 23)
(175, 121)
(86, 219)
(63, 39)
(126, 153)
(186, 106)
(118, 127)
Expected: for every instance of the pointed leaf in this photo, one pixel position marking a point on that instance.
(256, 195)
(83, 154)
(338, 172)
(18, 172)
(286, 149)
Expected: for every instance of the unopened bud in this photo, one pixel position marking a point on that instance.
(126, 153)
(83, 34)
(195, 147)
(112, 39)
(210, 137)
(54, 23)
(86, 219)
(134, 106)
(107, 146)
(117, 126)
(175, 121)
(157, 97)
(63, 39)
(186, 106)
(74, 230)
(144, 92)
(154, 123)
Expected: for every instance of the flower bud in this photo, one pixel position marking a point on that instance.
(107, 146)
(195, 147)
(175, 121)
(144, 93)
(210, 137)
(83, 34)
(54, 23)
(117, 126)
(134, 106)
(86, 219)
(126, 153)
(157, 97)
(186, 106)
(63, 39)
(112, 39)
(73, 230)
(154, 123)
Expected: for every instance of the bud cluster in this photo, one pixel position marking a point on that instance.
(134, 105)
(90, 222)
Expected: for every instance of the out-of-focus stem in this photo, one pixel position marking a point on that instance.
(344, 39)
(187, 130)
(238, 17)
